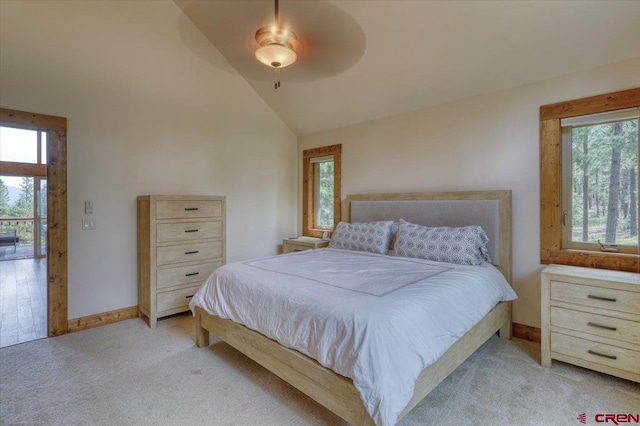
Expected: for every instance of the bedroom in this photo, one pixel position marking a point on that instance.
(157, 111)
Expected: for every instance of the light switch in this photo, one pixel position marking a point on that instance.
(88, 224)
(88, 207)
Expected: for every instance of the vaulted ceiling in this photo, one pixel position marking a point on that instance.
(363, 60)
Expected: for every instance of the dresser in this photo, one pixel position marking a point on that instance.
(591, 318)
(290, 245)
(181, 240)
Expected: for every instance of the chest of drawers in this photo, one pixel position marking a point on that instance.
(181, 240)
(591, 318)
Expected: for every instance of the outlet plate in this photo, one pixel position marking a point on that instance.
(88, 224)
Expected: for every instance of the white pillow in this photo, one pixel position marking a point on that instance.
(373, 237)
(466, 245)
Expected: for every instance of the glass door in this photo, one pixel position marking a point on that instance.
(40, 218)
(23, 193)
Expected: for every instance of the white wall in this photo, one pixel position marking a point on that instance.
(480, 143)
(152, 107)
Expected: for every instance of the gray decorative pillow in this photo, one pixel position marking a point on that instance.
(465, 246)
(373, 237)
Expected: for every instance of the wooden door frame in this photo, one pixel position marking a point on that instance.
(57, 278)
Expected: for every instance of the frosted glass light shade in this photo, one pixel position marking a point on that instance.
(276, 55)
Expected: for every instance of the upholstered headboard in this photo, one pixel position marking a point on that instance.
(489, 209)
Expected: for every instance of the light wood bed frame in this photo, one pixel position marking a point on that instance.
(336, 392)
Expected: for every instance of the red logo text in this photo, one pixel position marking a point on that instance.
(618, 418)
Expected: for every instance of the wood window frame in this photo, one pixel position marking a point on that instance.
(551, 250)
(308, 189)
(56, 173)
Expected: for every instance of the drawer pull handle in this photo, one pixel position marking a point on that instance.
(190, 230)
(606, 327)
(606, 299)
(602, 355)
(190, 209)
(188, 297)
(191, 274)
(191, 252)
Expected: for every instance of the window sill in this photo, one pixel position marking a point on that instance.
(316, 232)
(592, 259)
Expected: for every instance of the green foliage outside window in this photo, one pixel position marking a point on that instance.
(4, 200)
(605, 183)
(21, 208)
(325, 183)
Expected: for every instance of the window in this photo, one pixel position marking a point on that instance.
(600, 181)
(23, 152)
(323, 186)
(19, 145)
(21, 201)
(321, 189)
(589, 181)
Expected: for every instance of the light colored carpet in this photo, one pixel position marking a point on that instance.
(128, 374)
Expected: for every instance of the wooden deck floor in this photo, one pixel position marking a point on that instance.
(23, 300)
(19, 252)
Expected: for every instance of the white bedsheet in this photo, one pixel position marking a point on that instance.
(377, 319)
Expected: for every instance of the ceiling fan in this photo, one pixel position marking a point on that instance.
(276, 46)
(327, 40)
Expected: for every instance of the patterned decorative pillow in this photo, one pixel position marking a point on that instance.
(465, 245)
(373, 237)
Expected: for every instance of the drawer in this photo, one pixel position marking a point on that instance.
(598, 325)
(302, 243)
(175, 299)
(186, 231)
(599, 297)
(599, 353)
(179, 209)
(189, 252)
(185, 274)
(291, 247)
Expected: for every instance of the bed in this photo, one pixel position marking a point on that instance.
(344, 396)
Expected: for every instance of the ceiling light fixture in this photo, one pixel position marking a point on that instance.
(276, 46)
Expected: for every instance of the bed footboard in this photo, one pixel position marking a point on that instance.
(336, 392)
(331, 390)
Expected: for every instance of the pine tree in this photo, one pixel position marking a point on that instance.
(614, 186)
(24, 206)
(4, 200)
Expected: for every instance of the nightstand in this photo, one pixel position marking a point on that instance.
(591, 318)
(290, 245)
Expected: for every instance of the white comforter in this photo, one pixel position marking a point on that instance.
(377, 319)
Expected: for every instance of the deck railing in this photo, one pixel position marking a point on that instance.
(22, 225)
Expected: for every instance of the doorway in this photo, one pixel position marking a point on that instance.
(23, 227)
(23, 196)
(35, 231)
